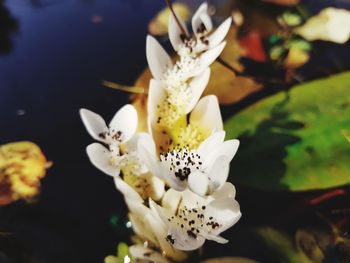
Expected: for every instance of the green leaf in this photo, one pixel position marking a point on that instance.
(294, 141)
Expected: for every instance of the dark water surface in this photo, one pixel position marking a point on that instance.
(57, 60)
(53, 56)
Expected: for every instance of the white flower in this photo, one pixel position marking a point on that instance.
(203, 38)
(147, 225)
(203, 170)
(122, 153)
(121, 128)
(191, 219)
(196, 52)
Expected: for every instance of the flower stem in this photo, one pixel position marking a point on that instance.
(170, 5)
(131, 89)
(259, 79)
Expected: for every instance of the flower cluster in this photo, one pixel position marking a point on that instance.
(173, 177)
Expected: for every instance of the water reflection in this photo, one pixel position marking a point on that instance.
(38, 3)
(8, 26)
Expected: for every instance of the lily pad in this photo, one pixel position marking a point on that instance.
(294, 140)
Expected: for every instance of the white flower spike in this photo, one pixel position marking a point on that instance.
(184, 148)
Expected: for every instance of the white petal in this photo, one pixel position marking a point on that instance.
(183, 241)
(170, 178)
(175, 32)
(161, 138)
(160, 211)
(94, 124)
(149, 159)
(145, 140)
(132, 144)
(206, 20)
(201, 16)
(100, 158)
(218, 173)
(227, 190)
(211, 143)
(198, 182)
(125, 120)
(227, 148)
(127, 190)
(220, 33)
(192, 200)
(141, 252)
(139, 219)
(209, 56)
(157, 187)
(216, 238)
(225, 211)
(156, 96)
(207, 116)
(171, 200)
(158, 59)
(148, 225)
(158, 225)
(197, 86)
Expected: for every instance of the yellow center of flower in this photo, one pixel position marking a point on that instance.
(188, 136)
(172, 112)
(169, 114)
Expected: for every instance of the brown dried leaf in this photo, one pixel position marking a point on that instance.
(22, 165)
(223, 82)
(228, 88)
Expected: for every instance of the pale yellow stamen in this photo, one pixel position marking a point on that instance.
(189, 136)
(141, 184)
(168, 114)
